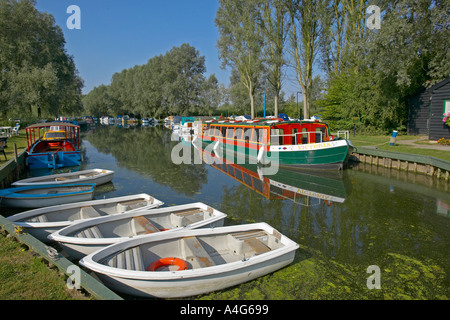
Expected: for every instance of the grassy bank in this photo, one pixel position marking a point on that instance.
(21, 143)
(415, 147)
(25, 276)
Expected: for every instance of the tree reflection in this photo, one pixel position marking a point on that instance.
(148, 152)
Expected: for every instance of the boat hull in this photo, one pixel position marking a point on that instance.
(41, 230)
(194, 281)
(79, 250)
(181, 288)
(97, 176)
(53, 160)
(77, 247)
(45, 196)
(325, 155)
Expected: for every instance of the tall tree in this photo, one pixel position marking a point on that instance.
(384, 67)
(304, 43)
(275, 27)
(240, 42)
(37, 75)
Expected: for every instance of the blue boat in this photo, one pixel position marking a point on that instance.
(46, 195)
(53, 145)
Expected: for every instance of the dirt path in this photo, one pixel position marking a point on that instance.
(413, 144)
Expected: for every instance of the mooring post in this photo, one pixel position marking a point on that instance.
(16, 160)
(393, 138)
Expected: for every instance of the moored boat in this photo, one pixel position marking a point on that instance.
(85, 237)
(191, 262)
(46, 195)
(53, 145)
(97, 176)
(295, 144)
(43, 221)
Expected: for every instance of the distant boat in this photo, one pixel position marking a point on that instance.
(191, 262)
(85, 237)
(53, 145)
(97, 176)
(43, 221)
(45, 196)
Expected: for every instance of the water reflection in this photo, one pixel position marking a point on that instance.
(147, 151)
(367, 216)
(302, 187)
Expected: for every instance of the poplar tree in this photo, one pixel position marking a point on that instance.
(304, 36)
(275, 27)
(240, 42)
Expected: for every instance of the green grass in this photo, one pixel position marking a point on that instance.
(21, 143)
(382, 143)
(24, 276)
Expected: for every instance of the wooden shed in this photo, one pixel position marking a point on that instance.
(426, 109)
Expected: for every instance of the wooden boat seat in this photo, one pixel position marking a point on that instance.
(132, 204)
(141, 225)
(130, 259)
(41, 218)
(61, 179)
(250, 238)
(198, 252)
(92, 232)
(89, 212)
(185, 217)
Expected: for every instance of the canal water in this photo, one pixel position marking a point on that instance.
(367, 233)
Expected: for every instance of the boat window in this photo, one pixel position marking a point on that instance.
(230, 170)
(224, 131)
(238, 133)
(277, 137)
(230, 132)
(258, 184)
(304, 136)
(238, 174)
(257, 135)
(224, 167)
(55, 135)
(319, 134)
(247, 134)
(215, 131)
(294, 136)
(247, 179)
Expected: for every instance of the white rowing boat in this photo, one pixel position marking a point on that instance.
(85, 237)
(46, 195)
(43, 221)
(191, 262)
(97, 176)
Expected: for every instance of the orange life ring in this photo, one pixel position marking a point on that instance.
(155, 265)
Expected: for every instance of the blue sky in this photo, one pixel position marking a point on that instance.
(119, 34)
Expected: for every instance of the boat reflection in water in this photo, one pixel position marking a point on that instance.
(300, 186)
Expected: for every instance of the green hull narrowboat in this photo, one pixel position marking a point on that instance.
(294, 144)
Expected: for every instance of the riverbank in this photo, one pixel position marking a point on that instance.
(419, 145)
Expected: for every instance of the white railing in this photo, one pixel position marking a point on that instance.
(345, 133)
(296, 136)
